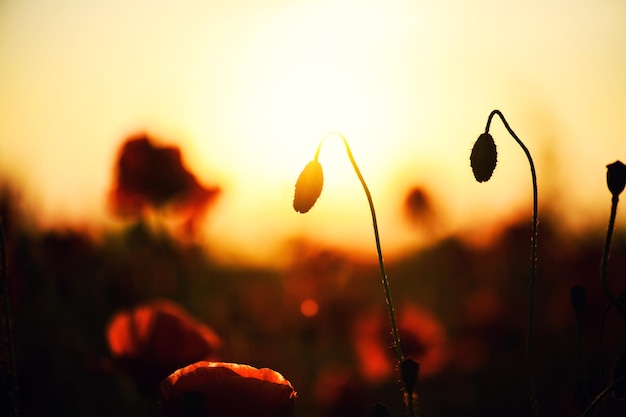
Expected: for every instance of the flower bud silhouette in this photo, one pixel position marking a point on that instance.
(616, 177)
(308, 187)
(484, 157)
(308, 190)
(483, 162)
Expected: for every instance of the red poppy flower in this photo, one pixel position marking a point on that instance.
(422, 336)
(226, 389)
(153, 340)
(149, 176)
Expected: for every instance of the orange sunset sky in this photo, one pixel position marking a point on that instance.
(248, 88)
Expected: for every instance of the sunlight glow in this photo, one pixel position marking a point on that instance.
(248, 89)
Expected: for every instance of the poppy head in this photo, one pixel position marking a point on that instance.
(308, 187)
(152, 176)
(616, 177)
(484, 157)
(153, 340)
(226, 389)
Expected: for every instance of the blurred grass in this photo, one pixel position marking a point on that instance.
(65, 287)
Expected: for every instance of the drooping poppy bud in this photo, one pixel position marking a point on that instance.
(206, 389)
(616, 177)
(308, 187)
(484, 157)
(578, 297)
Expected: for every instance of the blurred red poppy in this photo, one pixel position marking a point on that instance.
(153, 340)
(226, 389)
(149, 176)
(422, 336)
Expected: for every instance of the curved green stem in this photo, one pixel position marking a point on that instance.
(381, 263)
(533, 257)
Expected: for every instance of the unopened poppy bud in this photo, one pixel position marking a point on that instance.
(483, 157)
(409, 369)
(308, 187)
(578, 297)
(616, 177)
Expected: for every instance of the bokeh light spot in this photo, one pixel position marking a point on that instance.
(309, 308)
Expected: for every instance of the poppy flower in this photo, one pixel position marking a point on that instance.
(226, 389)
(153, 340)
(150, 176)
(339, 392)
(308, 187)
(422, 335)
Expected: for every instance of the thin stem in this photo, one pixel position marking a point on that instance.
(601, 344)
(533, 257)
(603, 394)
(581, 363)
(606, 250)
(603, 278)
(381, 263)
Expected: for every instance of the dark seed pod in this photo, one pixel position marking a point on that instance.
(483, 157)
(308, 187)
(616, 177)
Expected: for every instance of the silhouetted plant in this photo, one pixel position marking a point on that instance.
(307, 191)
(616, 181)
(483, 161)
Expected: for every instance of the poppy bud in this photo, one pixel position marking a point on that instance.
(308, 187)
(616, 177)
(483, 157)
(409, 369)
(578, 296)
